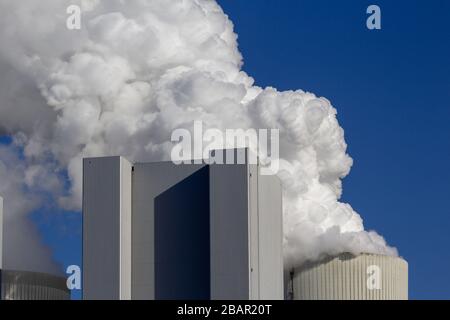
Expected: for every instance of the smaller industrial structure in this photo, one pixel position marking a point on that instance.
(25, 285)
(350, 277)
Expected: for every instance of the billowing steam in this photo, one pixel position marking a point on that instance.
(137, 70)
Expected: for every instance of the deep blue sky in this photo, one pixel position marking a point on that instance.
(392, 91)
(391, 88)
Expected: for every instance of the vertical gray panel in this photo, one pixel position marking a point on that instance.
(125, 229)
(105, 230)
(270, 238)
(229, 232)
(254, 231)
(149, 181)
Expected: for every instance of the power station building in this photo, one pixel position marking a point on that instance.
(166, 231)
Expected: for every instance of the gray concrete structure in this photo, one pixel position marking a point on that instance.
(242, 234)
(348, 277)
(22, 285)
(149, 181)
(106, 228)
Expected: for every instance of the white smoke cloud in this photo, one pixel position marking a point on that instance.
(139, 69)
(22, 246)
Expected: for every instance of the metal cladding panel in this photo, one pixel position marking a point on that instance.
(149, 181)
(20, 285)
(348, 277)
(230, 228)
(270, 238)
(246, 233)
(106, 228)
(125, 228)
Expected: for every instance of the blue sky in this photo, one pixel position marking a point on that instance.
(391, 88)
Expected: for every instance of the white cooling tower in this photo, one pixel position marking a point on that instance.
(349, 277)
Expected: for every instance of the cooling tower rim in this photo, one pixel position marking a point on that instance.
(34, 279)
(342, 256)
(48, 274)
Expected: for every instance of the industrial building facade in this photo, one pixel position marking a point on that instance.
(166, 231)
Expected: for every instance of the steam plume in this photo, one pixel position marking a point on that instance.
(138, 70)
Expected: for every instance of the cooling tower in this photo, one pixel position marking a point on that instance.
(23, 285)
(349, 277)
